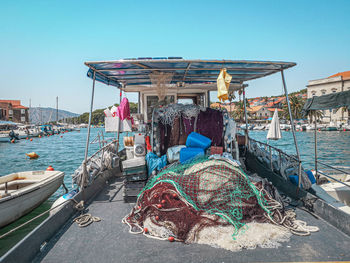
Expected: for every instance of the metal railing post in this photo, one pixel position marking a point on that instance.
(271, 159)
(316, 169)
(293, 127)
(118, 134)
(246, 118)
(88, 133)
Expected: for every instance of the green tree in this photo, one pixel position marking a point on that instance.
(314, 113)
(238, 112)
(296, 105)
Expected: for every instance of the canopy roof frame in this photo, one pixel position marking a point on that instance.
(134, 72)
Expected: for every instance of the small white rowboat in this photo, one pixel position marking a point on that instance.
(21, 192)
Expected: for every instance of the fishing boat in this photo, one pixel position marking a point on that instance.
(7, 131)
(106, 181)
(27, 131)
(21, 192)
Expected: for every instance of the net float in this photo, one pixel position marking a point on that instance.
(157, 218)
(145, 230)
(159, 206)
(32, 155)
(174, 195)
(50, 168)
(31, 140)
(171, 239)
(163, 201)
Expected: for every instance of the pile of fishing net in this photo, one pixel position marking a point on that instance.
(212, 202)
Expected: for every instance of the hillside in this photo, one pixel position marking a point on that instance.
(42, 115)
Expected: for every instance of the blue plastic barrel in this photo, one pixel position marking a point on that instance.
(295, 180)
(187, 154)
(311, 176)
(197, 140)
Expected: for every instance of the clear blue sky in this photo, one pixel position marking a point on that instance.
(43, 44)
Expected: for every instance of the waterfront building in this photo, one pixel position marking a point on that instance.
(12, 110)
(335, 83)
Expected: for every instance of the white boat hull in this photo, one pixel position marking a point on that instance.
(4, 138)
(24, 200)
(338, 191)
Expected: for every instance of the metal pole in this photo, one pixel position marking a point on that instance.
(317, 176)
(139, 103)
(88, 133)
(56, 110)
(118, 134)
(293, 127)
(246, 118)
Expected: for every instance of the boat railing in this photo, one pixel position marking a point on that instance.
(276, 151)
(272, 149)
(333, 168)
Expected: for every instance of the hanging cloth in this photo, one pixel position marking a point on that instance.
(223, 83)
(123, 111)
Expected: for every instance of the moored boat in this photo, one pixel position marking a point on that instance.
(21, 192)
(57, 238)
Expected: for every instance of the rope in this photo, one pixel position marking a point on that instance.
(86, 219)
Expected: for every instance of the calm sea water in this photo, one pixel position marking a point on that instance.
(66, 153)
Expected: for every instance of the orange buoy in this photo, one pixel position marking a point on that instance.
(171, 239)
(31, 140)
(159, 206)
(157, 218)
(13, 141)
(61, 136)
(145, 230)
(174, 195)
(50, 168)
(27, 138)
(32, 155)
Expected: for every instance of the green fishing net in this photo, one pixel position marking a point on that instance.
(215, 187)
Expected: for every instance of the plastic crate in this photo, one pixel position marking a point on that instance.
(136, 177)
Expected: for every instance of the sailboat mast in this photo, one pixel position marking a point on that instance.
(57, 110)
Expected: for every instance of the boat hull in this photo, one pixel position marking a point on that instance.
(14, 206)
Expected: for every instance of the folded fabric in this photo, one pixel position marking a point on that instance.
(173, 153)
(155, 163)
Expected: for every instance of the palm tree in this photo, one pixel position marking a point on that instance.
(314, 113)
(238, 112)
(343, 110)
(296, 105)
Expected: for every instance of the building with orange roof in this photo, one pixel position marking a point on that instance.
(335, 83)
(229, 107)
(259, 112)
(12, 110)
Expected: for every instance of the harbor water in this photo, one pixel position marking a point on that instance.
(65, 152)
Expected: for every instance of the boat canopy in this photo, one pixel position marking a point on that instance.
(135, 72)
(327, 102)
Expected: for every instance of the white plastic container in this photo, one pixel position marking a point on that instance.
(129, 152)
(136, 162)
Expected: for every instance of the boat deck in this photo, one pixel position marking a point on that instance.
(110, 241)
